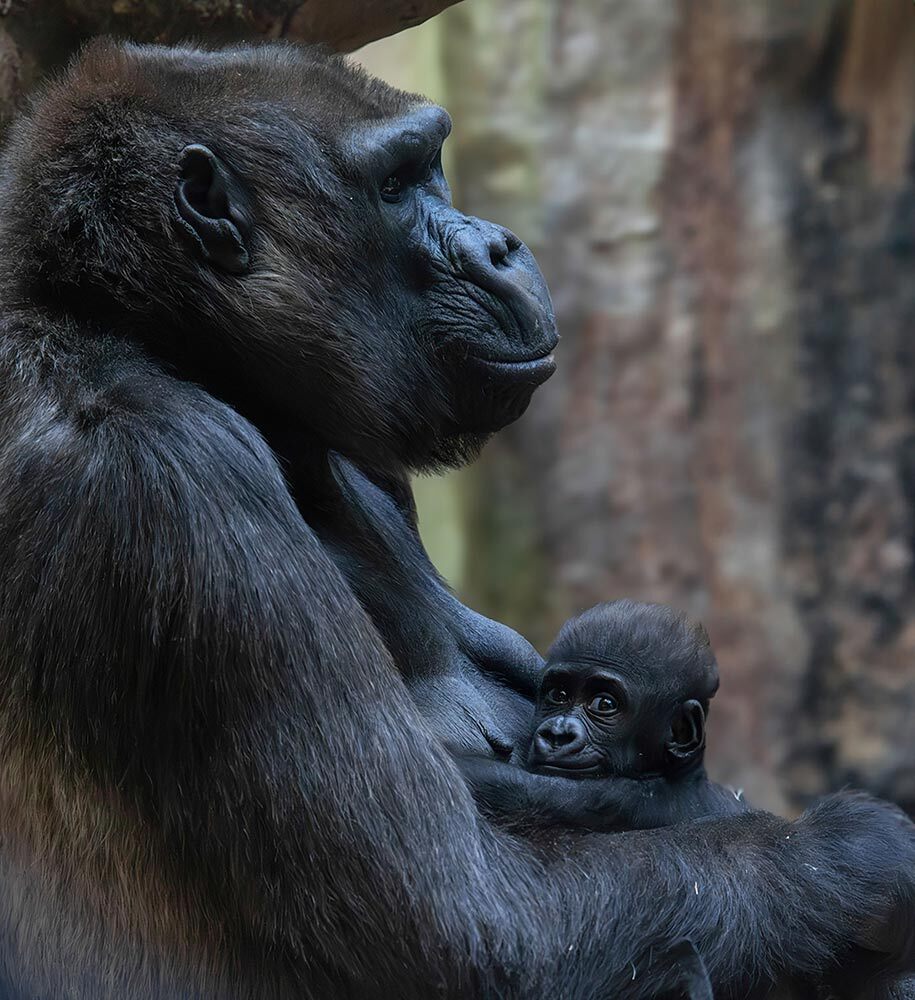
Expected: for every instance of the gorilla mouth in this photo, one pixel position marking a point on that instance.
(515, 340)
(585, 767)
(530, 371)
(569, 771)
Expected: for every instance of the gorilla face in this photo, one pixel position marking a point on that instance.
(479, 303)
(443, 326)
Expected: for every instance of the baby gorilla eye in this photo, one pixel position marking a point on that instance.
(603, 704)
(557, 696)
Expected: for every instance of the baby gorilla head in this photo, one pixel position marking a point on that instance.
(625, 692)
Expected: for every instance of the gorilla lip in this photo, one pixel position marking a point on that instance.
(586, 769)
(569, 771)
(534, 371)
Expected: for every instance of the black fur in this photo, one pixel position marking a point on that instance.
(214, 781)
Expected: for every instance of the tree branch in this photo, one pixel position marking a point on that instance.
(343, 24)
(40, 35)
(348, 24)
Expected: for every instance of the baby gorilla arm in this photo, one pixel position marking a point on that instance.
(506, 791)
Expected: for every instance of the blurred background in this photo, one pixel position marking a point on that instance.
(721, 194)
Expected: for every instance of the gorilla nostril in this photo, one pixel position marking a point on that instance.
(498, 254)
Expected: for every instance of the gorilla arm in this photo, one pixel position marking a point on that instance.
(174, 630)
(512, 794)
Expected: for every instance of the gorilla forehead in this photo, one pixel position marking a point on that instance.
(121, 111)
(648, 643)
(314, 85)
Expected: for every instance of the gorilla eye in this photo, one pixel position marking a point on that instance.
(392, 188)
(603, 704)
(557, 696)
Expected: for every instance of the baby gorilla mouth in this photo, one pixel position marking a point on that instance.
(578, 768)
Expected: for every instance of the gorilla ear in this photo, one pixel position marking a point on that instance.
(687, 731)
(213, 209)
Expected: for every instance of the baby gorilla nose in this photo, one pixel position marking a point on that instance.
(560, 737)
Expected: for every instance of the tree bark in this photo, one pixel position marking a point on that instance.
(40, 35)
(728, 228)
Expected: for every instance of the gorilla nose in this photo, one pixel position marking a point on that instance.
(482, 250)
(562, 736)
(495, 260)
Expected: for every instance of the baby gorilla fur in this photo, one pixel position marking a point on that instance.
(623, 702)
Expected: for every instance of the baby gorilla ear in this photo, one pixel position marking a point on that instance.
(687, 731)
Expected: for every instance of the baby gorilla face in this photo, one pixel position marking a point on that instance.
(624, 693)
(583, 723)
(591, 723)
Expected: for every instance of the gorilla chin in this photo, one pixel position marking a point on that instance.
(503, 390)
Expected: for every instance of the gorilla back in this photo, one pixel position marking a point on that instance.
(218, 268)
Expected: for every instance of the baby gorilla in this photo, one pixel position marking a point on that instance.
(623, 702)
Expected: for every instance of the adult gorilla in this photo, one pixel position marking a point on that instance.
(219, 270)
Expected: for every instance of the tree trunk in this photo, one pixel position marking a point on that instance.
(728, 228)
(40, 35)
